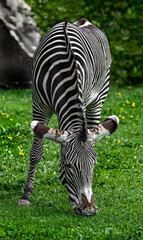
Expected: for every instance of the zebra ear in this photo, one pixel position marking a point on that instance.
(42, 131)
(108, 127)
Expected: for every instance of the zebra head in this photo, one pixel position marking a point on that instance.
(77, 161)
(76, 171)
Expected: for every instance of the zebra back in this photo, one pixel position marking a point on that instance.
(82, 131)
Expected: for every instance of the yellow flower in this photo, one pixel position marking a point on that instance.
(119, 141)
(21, 153)
(2, 114)
(133, 104)
(123, 117)
(7, 116)
(131, 116)
(118, 93)
(26, 122)
(121, 109)
(3, 99)
(10, 119)
(120, 116)
(133, 124)
(123, 104)
(10, 138)
(127, 102)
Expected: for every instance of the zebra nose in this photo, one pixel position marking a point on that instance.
(86, 211)
(86, 208)
(90, 211)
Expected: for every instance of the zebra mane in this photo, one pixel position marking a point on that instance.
(82, 133)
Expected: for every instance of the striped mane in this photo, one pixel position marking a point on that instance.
(82, 132)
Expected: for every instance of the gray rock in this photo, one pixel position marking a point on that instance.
(19, 38)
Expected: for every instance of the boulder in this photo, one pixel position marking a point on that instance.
(19, 38)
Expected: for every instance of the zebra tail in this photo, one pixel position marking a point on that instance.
(82, 133)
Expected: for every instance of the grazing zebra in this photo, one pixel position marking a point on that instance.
(71, 78)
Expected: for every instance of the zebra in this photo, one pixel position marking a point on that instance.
(70, 77)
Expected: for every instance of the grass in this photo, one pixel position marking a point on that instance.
(117, 182)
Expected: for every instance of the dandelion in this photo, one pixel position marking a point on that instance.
(21, 153)
(133, 124)
(2, 114)
(3, 99)
(131, 116)
(120, 116)
(118, 141)
(122, 109)
(127, 102)
(26, 122)
(118, 93)
(7, 116)
(10, 138)
(123, 117)
(10, 119)
(123, 104)
(133, 104)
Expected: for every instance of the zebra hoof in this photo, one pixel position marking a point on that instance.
(23, 202)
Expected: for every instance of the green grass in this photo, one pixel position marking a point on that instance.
(117, 182)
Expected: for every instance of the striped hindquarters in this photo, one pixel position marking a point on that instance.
(71, 75)
(57, 80)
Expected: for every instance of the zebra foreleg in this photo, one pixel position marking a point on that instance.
(35, 157)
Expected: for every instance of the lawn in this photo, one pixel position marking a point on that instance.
(117, 182)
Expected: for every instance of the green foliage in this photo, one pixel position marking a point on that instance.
(48, 13)
(122, 21)
(117, 180)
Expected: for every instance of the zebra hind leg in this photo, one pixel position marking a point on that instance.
(35, 157)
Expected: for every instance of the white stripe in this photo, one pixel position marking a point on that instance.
(63, 95)
(61, 83)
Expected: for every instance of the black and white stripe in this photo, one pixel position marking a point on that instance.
(70, 73)
(77, 172)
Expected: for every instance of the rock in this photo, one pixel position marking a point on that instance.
(19, 38)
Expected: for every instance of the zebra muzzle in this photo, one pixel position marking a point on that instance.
(86, 208)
